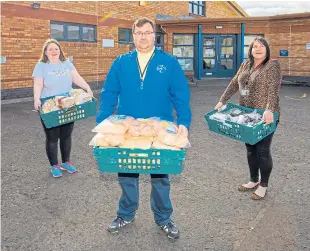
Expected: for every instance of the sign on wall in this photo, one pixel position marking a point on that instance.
(107, 43)
(3, 60)
(308, 46)
(283, 53)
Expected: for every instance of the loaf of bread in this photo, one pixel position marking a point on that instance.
(82, 98)
(49, 106)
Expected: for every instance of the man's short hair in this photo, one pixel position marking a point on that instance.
(142, 21)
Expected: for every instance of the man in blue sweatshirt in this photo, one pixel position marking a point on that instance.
(144, 83)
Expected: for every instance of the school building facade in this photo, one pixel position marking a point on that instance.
(210, 39)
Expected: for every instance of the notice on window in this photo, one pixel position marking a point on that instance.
(209, 52)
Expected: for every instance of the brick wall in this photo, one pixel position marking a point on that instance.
(291, 36)
(220, 9)
(121, 9)
(24, 31)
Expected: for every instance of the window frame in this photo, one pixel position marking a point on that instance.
(81, 26)
(162, 40)
(201, 5)
(127, 36)
(184, 45)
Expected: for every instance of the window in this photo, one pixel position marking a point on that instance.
(88, 33)
(197, 8)
(248, 39)
(73, 32)
(57, 31)
(227, 53)
(183, 50)
(125, 36)
(159, 41)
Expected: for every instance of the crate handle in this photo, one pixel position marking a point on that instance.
(144, 155)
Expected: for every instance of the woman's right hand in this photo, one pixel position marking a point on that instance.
(37, 104)
(218, 106)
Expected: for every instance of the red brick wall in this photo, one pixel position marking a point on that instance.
(24, 31)
(220, 9)
(121, 9)
(291, 36)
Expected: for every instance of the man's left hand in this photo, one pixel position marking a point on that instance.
(183, 130)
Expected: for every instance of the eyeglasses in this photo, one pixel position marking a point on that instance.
(147, 33)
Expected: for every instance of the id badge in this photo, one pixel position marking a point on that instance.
(244, 92)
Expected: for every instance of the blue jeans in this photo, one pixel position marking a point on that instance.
(160, 197)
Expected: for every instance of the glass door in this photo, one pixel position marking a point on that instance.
(227, 60)
(209, 59)
(218, 55)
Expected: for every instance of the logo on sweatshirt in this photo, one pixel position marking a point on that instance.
(161, 68)
(59, 73)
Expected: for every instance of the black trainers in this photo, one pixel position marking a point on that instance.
(117, 224)
(171, 230)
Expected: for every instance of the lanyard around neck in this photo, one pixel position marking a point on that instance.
(148, 62)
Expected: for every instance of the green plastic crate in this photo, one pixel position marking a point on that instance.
(68, 115)
(250, 135)
(124, 160)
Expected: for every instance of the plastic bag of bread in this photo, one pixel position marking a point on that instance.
(82, 98)
(115, 124)
(168, 135)
(141, 143)
(129, 136)
(75, 92)
(144, 127)
(57, 100)
(105, 140)
(66, 102)
(99, 140)
(173, 139)
(159, 145)
(113, 139)
(49, 106)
